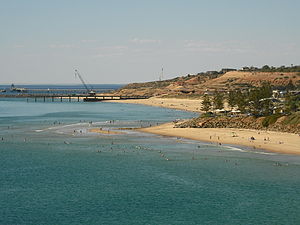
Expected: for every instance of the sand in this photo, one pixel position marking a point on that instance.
(101, 131)
(193, 105)
(285, 143)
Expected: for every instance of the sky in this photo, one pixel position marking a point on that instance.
(125, 41)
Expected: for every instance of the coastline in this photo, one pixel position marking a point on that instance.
(279, 142)
(284, 143)
(191, 105)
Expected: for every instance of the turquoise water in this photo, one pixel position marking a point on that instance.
(54, 171)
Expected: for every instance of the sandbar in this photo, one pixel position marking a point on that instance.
(101, 131)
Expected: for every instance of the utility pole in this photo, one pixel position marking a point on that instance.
(161, 77)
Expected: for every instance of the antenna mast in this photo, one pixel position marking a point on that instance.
(161, 77)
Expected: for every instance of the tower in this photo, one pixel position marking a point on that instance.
(162, 74)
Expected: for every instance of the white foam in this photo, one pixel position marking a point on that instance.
(69, 125)
(265, 153)
(241, 150)
(235, 149)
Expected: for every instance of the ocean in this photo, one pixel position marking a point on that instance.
(55, 171)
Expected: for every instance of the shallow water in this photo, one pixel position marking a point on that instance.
(54, 171)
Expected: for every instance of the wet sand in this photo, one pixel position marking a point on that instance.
(101, 131)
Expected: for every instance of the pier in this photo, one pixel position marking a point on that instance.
(70, 98)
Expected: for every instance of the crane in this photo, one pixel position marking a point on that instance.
(89, 91)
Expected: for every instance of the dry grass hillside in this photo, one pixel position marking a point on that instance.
(194, 85)
(238, 79)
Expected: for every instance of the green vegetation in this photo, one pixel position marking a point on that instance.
(240, 101)
(259, 99)
(292, 103)
(218, 99)
(206, 104)
(259, 102)
(255, 101)
(292, 119)
(270, 120)
(231, 99)
(237, 99)
(282, 69)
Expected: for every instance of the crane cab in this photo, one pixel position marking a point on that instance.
(92, 93)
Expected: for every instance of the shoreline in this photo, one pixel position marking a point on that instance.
(278, 142)
(191, 105)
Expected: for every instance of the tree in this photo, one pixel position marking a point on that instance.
(292, 103)
(259, 99)
(206, 104)
(255, 96)
(290, 86)
(266, 107)
(241, 101)
(265, 68)
(231, 98)
(265, 91)
(218, 100)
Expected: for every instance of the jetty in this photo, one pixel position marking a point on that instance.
(70, 97)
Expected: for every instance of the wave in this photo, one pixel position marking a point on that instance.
(39, 130)
(255, 152)
(236, 149)
(68, 125)
(265, 153)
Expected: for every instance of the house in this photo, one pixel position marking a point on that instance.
(225, 70)
(212, 72)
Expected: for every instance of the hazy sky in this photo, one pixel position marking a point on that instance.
(121, 41)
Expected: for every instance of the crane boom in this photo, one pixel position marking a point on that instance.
(89, 91)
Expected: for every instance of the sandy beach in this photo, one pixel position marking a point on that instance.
(285, 143)
(193, 105)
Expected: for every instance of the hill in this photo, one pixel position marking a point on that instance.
(227, 79)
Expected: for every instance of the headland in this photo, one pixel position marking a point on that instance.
(253, 112)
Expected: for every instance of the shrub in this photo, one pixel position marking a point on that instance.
(270, 120)
(292, 119)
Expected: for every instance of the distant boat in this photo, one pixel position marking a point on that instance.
(3, 90)
(16, 89)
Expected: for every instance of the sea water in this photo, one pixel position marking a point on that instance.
(53, 170)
